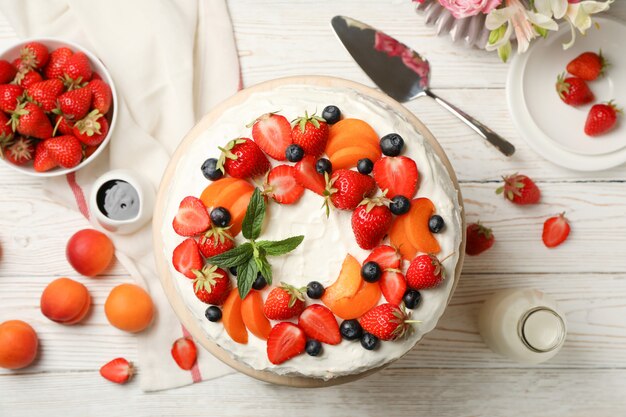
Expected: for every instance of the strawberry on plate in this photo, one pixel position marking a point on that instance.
(46, 93)
(215, 241)
(56, 63)
(370, 222)
(393, 286)
(102, 95)
(284, 302)
(479, 239)
(19, 151)
(211, 285)
(285, 341)
(311, 133)
(186, 258)
(65, 150)
(34, 55)
(307, 176)
(519, 189)
(346, 189)
(192, 217)
(425, 271)
(396, 174)
(386, 256)
(10, 95)
(573, 90)
(91, 129)
(588, 66)
(29, 119)
(242, 158)
(7, 71)
(43, 160)
(272, 132)
(281, 185)
(601, 118)
(185, 353)
(75, 104)
(119, 370)
(319, 323)
(555, 231)
(386, 322)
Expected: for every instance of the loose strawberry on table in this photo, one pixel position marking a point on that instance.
(311, 133)
(479, 239)
(602, 118)
(242, 158)
(118, 370)
(185, 353)
(272, 132)
(285, 341)
(573, 90)
(555, 231)
(519, 189)
(588, 65)
(212, 285)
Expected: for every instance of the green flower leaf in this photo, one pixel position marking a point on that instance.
(280, 247)
(246, 274)
(253, 220)
(234, 257)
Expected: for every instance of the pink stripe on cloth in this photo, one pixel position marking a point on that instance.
(195, 371)
(78, 194)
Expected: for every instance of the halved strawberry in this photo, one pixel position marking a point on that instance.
(192, 217)
(286, 340)
(393, 286)
(319, 323)
(119, 370)
(186, 258)
(307, 176)
(185, 353)
(555, 231)
(272, 132)
(281, 185)
(386, 256)
(396, 174)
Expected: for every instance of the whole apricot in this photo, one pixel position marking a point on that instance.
(65, 301)
(18, 344)
(129, 307)
(89, 252)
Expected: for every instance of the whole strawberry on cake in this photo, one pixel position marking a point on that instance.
(320, 240)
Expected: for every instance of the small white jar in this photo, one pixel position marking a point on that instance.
(524, 325)
(122, 201)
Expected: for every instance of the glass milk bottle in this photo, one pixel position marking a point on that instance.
(522, 324)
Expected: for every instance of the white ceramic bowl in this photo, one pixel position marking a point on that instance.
(14, 51)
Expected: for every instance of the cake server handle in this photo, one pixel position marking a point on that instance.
(489, 135)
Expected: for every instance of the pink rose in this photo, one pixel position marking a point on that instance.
(465, 8)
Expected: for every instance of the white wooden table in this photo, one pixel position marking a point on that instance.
(452, 373)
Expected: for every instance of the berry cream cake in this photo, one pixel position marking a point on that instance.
(312, 231)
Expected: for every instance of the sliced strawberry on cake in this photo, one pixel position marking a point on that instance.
(285, 341)
(281, 185)
(272, 132)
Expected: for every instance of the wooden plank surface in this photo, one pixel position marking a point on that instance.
(452, 373)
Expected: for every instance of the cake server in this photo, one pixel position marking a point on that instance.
(401, 72)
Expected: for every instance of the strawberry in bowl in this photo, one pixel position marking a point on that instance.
(57, 107)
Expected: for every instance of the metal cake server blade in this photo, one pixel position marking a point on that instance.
(401, 72)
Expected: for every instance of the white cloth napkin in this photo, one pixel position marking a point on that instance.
(171, 61)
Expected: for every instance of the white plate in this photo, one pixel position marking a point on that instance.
(554, 129)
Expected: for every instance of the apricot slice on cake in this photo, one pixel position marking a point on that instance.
(348, 157)
(351, 132)
(417, 231)
(253, 317)
(399, 238)
(233, 319)
(354, 307)
(348, 282)
(231, 193)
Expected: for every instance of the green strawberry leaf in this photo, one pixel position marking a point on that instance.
(280, 247)
(246, 274)
(253, 220)
(234, 257)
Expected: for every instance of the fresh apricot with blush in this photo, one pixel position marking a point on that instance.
(18, 344)
(65, 301)
(89, 252)
(129, 307)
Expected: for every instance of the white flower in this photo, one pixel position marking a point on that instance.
(552, 8)
(578, 15)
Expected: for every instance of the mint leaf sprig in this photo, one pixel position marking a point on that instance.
(250, 257)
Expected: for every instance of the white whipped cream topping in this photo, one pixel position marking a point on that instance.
(327, 241)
